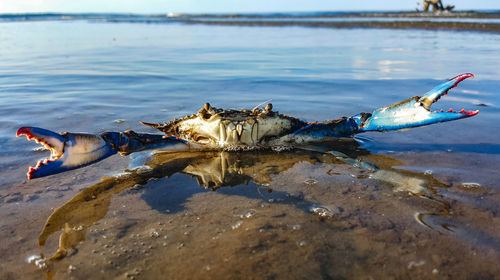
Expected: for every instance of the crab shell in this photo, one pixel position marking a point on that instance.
(232, 129)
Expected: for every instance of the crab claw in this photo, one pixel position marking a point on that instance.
(67, 150)
(413, 112)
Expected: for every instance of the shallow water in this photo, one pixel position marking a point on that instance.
(430, 210)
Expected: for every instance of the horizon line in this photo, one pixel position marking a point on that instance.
(246, 12)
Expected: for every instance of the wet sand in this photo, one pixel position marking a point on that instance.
(311, 220)
(428, 25)
(426, 21)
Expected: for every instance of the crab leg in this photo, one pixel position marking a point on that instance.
(409, 113)
(74, 150)
(414, 111)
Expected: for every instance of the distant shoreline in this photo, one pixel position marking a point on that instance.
(381, 14)
(421, 23)
(427, 25)
(426, 21)
(487, 21)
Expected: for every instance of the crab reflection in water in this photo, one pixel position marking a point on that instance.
(219, 170)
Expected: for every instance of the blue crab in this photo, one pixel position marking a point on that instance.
(218, 129)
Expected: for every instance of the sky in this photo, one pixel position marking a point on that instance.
(224, 6)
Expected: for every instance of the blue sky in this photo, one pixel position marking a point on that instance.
(223, 6)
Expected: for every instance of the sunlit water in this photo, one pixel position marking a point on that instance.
(434, 198)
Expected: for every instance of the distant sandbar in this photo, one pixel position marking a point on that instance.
(427, 21)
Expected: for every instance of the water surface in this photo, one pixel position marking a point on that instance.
(431, 210)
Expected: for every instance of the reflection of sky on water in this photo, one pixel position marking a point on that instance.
(177, 51)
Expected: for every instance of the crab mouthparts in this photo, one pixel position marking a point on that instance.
(51, 141)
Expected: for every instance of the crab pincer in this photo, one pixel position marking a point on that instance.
(74, 150)
(67, 150)
(415, 111)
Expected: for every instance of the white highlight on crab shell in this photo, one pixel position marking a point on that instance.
(417, 115)
(81, 149)
(222, 135)
(409, 115)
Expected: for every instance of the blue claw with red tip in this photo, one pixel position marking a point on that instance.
(414, 112)
(67, 150)
(74, 150)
